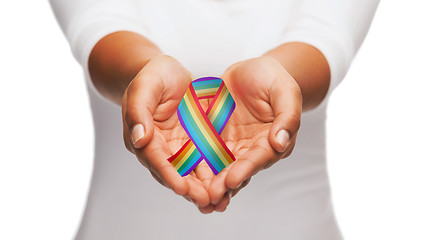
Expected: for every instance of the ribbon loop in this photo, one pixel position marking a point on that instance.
(204, 128)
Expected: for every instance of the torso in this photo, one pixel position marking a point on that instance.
(291, 200)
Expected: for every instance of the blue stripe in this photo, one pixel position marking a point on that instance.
(220, 113)
(190, 124)
(213, 81)
(192, 161)
(194, 130)
(208, 86)
(225, 114)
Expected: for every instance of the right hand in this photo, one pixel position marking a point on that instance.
(151, 128)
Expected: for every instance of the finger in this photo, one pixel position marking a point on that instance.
(218, 188)
(197, 192)
(288, 150)
(126, 132)
(286, 101)
(158, 164)
(247, 165)
(224, 202)
(244, 184)
(222, 205)
(204, 173)
(290, 147)
(187, 198)
(207, 210)
(143, 96)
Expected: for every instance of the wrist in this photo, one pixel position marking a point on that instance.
(116, 59)
(308, 67)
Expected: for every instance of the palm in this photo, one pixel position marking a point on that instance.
(246, 129)
(169, 133)
(267, 100)
(156, 93)
(249, 126)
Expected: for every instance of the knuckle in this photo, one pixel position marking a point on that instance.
(131, 111)
(295, 122)
(128, 117)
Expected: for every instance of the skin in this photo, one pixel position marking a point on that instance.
(270, 92)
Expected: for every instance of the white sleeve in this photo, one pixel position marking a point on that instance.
(335, 27)
(85, 22)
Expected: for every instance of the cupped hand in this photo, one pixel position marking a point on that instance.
(151, 127)
(263, 127)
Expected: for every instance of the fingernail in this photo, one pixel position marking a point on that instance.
(138, 132)
(282, 137)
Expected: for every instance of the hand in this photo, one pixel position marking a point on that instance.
(263, 127)
(151, 128)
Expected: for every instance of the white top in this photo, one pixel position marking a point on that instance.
(291, 200)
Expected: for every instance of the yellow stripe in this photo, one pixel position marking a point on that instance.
(208, 90)
(213, 113)
(205, 133)
(223, 155)
(222, 150)
(219, 106)
(183, 153)
(219, 97)
(186, 156)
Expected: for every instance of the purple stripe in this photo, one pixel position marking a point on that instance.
(193, 167)
(205, 79)
(203, 156)
(198, 162)
(179, 115)
(211, 166)
(228, 117)
(190, 137)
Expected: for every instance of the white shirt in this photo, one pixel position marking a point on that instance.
(291, 200)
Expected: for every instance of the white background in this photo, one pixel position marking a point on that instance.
(46, 134)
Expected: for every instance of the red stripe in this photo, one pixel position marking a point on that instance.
(178, 152)
(215, 98)
(195, 98)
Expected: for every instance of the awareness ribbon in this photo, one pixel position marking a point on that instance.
(204, 128)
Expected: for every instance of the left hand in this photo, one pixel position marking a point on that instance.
(263, 127)
(151, 129)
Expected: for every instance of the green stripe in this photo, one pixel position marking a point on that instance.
(210, 149)
(196, 128)
(190, 158)
(206, 86)
(202, 137)
(213, 81)
(220, 113)
(222, 107)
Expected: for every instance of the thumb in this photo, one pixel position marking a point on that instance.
(142, 98)
(286, 102)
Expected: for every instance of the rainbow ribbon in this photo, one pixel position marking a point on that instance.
(204, 128)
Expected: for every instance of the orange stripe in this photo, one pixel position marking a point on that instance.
(220, 96)
(206, 126)
(206, 93)
(182, 154)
